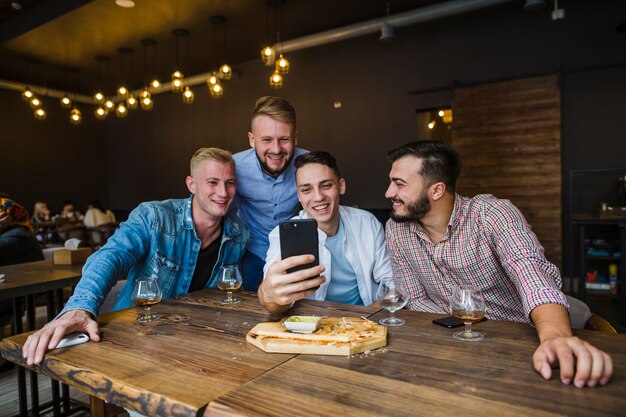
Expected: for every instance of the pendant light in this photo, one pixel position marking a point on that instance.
(145, 99)
(100, 113)
(109, 105)
(149, 48)
(132, 103)
(40, 114)
(75, 116)
(219, 22)
(216, 90)
(122, 90)
(188, 96)
(27, 94)
(282, 65)
(121, 111)
(35, 103)
(66, 103)
(177, 75)
(276, 80)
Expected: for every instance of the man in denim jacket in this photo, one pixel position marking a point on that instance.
(181, 242)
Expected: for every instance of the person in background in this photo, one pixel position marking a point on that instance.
(96, 215)
(17, 240)
(41, 213)
(266, 187)
(69, 212)
(183, 243)
(351, 245)
(438, 239)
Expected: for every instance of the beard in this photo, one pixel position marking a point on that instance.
(271, 171)
(415, 210)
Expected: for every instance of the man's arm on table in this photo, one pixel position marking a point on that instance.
(578, 360)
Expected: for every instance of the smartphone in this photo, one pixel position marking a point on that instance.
(299, 237)
(449, 322)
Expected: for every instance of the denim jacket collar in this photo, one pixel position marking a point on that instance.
(231, 225)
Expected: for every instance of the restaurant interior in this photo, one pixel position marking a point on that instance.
(530, 92)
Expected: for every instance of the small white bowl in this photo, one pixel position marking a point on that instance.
(302, 324)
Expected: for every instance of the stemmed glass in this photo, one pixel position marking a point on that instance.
(229, 280)
(147, 293)
(392, 296)
(467, 303)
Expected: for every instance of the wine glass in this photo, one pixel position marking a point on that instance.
(229, 280)
(147, 293)
(467, 304)
(392, 296)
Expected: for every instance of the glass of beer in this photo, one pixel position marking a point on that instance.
(467, 304)
(147, 293)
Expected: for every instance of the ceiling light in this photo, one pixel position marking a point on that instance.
(132, 102)
(282, 65)
(188, 96)
(98, 97)
(40, 114)
(217, 90)
(109, 105)
(276, 80)
(100, 113)
(267, 55)
(35, 103)
(75, 116)
(146, 103)
(212, 80)
(122, 91)
(27, 94)
(121, 111)
(127, 4)
(155, 83)
(66, 103)
(431, 124)
(226, 72)
(387, 32)
(177, 81)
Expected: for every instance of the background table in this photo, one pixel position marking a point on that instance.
(195, 361)
(21, 283)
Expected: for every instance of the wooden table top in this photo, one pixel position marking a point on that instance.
(35, 277)
(195, 361)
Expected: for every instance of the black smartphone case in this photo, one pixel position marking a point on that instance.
(299, 237)
(449, 322)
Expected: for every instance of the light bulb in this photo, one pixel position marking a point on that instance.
(98, 97)
(40, 114)
(75, 116)
(177, 85)
(212, 80)
(146, 103)
(35, 103)
(177, 74)
(440, 113)
(216, 90)
(122, 91)
(132, 102)
(226, 72)
(431, 124)
(282, 65)
(144, 93)
(66, 103)
(188, 96)
(109, 105)
(100, 113)
(266, 54)
(276, 80)
(27, 94)
(121, 111)
(155, 83)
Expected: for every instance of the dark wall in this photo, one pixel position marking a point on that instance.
(51, 160)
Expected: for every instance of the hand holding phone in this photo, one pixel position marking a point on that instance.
(299, 237)
(73, 339)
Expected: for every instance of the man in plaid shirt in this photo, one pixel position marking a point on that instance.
(438, 239)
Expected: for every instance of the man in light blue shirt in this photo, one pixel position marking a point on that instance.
(266, 188)
(353, 257)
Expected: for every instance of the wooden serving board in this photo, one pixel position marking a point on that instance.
(344, 336)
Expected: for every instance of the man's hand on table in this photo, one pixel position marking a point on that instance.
(579, 361)
(49, 337)
(279, 288)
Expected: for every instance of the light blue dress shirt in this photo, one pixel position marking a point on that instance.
(343, 287)
(263, 201)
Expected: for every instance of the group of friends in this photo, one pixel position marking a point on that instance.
(435, 239)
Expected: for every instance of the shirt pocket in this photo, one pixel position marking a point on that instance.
(165, 269)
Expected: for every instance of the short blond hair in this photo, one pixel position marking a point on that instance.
(211, 154)
(275, 107)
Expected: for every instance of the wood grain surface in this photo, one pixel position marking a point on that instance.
(425, 372)
(195, 361)
(36, 277)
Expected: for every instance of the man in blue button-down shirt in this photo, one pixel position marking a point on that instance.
(266, 185)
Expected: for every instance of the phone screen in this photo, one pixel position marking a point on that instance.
(299, 237)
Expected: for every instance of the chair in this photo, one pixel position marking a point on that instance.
(99, 235)
(70, 231)
(598, 323)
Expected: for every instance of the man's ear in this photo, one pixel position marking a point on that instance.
(251, 139)
(342, 186)
(191, 186)
(437, 190)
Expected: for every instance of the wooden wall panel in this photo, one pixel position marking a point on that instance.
(509, 137)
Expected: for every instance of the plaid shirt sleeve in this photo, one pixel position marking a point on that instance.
(520, 253)
(402, 266)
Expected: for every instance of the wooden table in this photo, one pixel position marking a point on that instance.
(21, 283)
(195, 361)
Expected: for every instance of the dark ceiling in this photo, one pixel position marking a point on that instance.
(54, 43)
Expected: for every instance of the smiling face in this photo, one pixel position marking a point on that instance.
(274, 142)
(213, 185)
(318, 191)
(408, 190)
